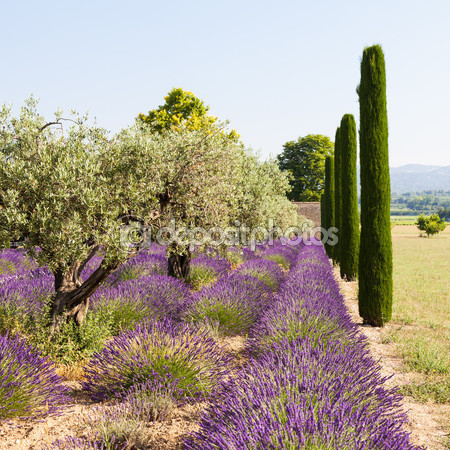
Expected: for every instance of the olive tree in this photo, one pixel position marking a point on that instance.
(70, 189)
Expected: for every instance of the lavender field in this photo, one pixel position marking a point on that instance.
(152, 343)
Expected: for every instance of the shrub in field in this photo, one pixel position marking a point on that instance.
(298, 315)
(283, 255)
(432, 224)
(231, 306)
(160, 351)
(73, 343)
(14, 262)
(267, 271)
(23, 300)
(235, 256)
(204, 270)
(125, 423)
(130, 301)
(29, 385)
(375, 255)
(300, 395)
(143, 264)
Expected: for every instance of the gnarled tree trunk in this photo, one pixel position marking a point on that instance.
(179, 265)
(71, 300)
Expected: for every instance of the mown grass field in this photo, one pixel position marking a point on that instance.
(421, 311)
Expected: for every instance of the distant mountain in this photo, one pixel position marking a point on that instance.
(417, 178)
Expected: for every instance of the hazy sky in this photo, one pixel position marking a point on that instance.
(275, 70)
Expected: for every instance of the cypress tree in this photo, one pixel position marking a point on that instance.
(349, 191)
(375, 257)
(329, 199)
(337, 195)
(323, 211)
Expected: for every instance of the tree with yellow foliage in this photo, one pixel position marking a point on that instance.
(182, 107)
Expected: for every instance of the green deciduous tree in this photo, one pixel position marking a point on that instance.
(349, 235)
(329, 200)
(337, 195)
(432, 224)
(305, 160)
(375, 258)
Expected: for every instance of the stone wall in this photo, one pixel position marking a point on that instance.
(311, 210)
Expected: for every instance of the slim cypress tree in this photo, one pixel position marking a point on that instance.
(323, 211)
(375, 257)
(337, 195)
(329, 199)
(349, 249)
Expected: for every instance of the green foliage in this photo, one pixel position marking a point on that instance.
(329, 200)
(349, 235)
(375, 258)
(426, 356)
(436, 391)
(200, 276)
(432, 224)
(260, 196)
(73, 343)
(337, 194)
(279, 259)
(323, 213)
(182, 108)
(444, 213)
(305, 160)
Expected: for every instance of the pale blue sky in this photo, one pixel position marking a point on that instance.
(275, 70)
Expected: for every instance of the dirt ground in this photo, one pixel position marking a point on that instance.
(425, 419)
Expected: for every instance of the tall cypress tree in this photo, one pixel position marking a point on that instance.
(375, 257)
(323, 211)
(329, 199)
(337, 195)
(349, 249)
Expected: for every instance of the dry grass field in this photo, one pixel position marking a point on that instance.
(415, 346)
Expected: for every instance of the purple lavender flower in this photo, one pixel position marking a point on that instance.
(130, 301)
(14, 262)
(230, 306)
(161, 351)
(29, 385)
(143, 264)
(204, 270)
(267, 271)
(300, 395)
(23, 299)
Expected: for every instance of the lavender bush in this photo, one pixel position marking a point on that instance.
(23, 299)
(145, 263)
(14, 263)
(268, 272)
(130, 301)
(284, 255)
(160, 351)
(204, 270)
(29, 385)
(300, 395)
(231, 306)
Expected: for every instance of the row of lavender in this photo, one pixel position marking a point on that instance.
(142, 308)
(310, 382)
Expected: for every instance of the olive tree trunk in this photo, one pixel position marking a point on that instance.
(71, 298)
(179, 264)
